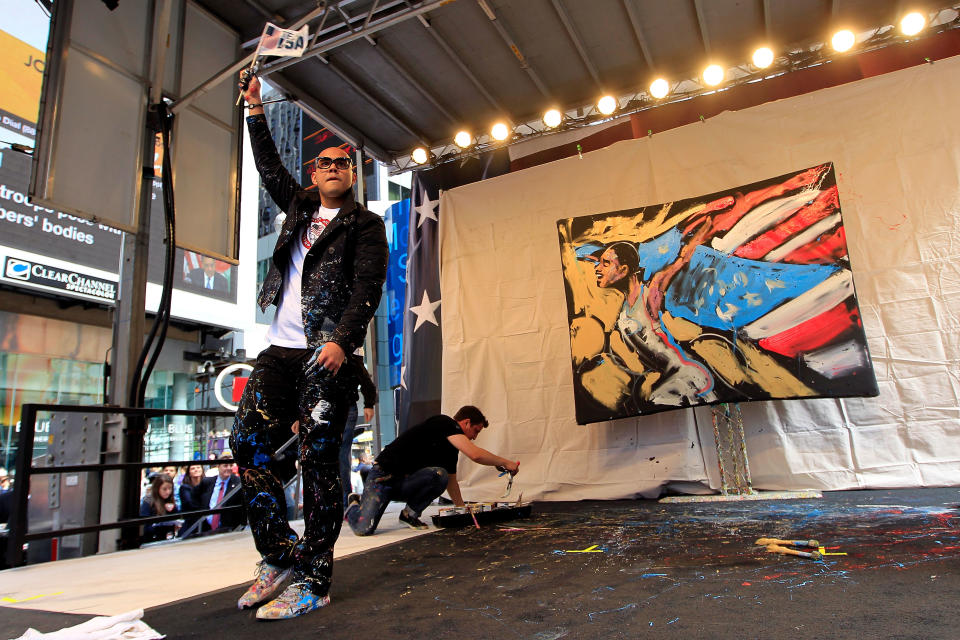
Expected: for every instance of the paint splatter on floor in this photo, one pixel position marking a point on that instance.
(690, 570)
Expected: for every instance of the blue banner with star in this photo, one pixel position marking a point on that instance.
(420, 381)
(418, 396)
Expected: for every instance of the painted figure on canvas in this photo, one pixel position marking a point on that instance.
(740, 295)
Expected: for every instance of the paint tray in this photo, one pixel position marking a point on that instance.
(486, 513)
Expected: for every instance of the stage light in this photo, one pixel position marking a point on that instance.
(500, 131)
(552, 118)
(419, 155)
(463, 139)
(843, 40)
(607, 105)
(659, 88)
(763, 57)
(713, 75)
(912, 23)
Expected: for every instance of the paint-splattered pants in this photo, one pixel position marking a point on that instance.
(277, 395)
(346, 448)
(418, 490)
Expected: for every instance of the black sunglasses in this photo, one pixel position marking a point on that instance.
(340, 163)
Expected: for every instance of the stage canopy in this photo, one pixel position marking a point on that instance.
(392, 75)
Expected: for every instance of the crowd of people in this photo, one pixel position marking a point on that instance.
(180, 491)
(177, 491)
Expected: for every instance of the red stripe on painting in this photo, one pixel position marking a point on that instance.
(814, 333)
(826, 249)
(741, 204)
(824, 205)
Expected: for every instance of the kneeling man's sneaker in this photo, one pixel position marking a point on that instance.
(411, 520)
(296, 600)
(268, 581)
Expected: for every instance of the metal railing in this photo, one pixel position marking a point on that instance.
(18, 534)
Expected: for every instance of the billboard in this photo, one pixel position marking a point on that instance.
(31, 227)
(21, 75)
(41, 248)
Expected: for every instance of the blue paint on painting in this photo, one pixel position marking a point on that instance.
(723, 291)
(659, 252)
(589, 250)
(653, 255)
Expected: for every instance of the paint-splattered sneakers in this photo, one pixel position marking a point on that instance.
(296, 600)
(268, 580)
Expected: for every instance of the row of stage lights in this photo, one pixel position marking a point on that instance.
(843, 40)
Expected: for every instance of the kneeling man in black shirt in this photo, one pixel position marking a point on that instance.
(418, 466)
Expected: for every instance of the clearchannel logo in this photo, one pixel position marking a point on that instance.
(18, 269)
(45, 275)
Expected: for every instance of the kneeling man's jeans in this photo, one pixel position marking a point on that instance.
(418, 489)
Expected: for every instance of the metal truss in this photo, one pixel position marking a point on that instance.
(407, 75)
(378, 17)
(702, 26)
(509, 40)
(577, 41)
(456, 59)
(638, 31)
(366, 95)
(581, 116)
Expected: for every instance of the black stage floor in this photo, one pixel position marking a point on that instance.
(641, 569)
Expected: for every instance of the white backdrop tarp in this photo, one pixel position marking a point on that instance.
(895, 143)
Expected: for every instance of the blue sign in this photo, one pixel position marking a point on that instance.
(397, 219)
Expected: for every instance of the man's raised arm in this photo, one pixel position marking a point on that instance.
(276, 179)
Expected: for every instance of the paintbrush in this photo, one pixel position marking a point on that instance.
(813, 544)
(503, 471)
(775, 548)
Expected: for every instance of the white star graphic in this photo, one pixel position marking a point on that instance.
(426, 209)
(426, 311)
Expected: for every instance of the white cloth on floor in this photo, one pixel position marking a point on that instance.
(126, 626)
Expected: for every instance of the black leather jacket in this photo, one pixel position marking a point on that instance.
(344, 271)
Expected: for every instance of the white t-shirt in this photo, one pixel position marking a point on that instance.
(287, 327)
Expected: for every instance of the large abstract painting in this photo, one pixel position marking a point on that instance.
(740, 295)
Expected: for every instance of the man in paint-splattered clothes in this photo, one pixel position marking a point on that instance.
(418, 466)
(326, 276)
